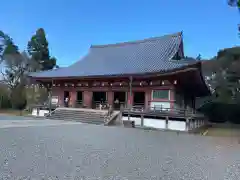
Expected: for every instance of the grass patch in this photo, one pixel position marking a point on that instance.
(223, 132)
(13, 112)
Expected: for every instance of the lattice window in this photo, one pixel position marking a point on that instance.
(161, 94)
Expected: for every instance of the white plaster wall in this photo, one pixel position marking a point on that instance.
(177, 125)
(135, 119)
(158, 123)
(155, 123)
(41, 112)
(34, 112)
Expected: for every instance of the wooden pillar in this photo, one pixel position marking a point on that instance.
(57, 91)
(130, 97)
(190, 124)
(194, 104)
(126, 99)
(147, 98)
(110, 96)
(195, 123)
(187, 124)
(142, 120)
(87, 98)
(166, 123)
(49, 100)
(172, 99)
(50, 96)
(73, 97)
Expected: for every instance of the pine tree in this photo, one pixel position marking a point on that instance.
(39, 51)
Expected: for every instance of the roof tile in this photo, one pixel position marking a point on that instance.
(143, 56)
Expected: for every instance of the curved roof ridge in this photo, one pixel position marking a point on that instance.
(178, 34)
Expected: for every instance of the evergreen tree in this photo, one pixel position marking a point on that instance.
(225, 79)
(39, 51)
(7, 46)
(234, 3)
(199, 57)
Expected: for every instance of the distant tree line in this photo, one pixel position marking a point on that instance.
(223, 77)
(16, 64)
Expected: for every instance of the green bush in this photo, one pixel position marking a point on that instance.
(18, 98)
(5, 101)
(222, 112)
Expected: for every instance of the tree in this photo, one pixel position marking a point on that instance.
(234, 3)
(11, 60)
(199, 57)
(15, 69)
(224, 73)
(18, 98)
(7, 45)
(5, 101)
(229, 60)
(39, 51)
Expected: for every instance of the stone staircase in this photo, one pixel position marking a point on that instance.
(83, 115)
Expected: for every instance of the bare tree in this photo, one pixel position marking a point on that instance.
(14, 69)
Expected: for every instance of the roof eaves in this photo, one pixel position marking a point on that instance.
(161, 73)
(31, 74)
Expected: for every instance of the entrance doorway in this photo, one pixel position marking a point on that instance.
(119, 98)
(139, 99)
(79, 98)
(66, 98)
(98, 97)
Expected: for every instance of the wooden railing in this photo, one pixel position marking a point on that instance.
(78, 104)
(50, 113)
(194, 120)
(108, 116)
(117, 106)
(95, 105)
(100, 105)
(181, 112)
(138, 106)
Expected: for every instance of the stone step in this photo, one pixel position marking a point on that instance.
(76, 116)
(90, 117)
(85, 114)
(90, 112)
(90, 121)
(78, 112)
(74, 113)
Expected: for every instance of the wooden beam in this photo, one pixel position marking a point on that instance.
(123, 77)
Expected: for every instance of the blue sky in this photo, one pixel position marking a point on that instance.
(73, 25)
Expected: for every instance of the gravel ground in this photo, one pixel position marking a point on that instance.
(81, 151)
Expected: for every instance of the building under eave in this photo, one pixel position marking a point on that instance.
(149, 73)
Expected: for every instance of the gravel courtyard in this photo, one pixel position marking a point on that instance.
(81, 151)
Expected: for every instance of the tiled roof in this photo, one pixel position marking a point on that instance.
(136, 57)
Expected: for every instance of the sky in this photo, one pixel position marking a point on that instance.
(72, 26)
